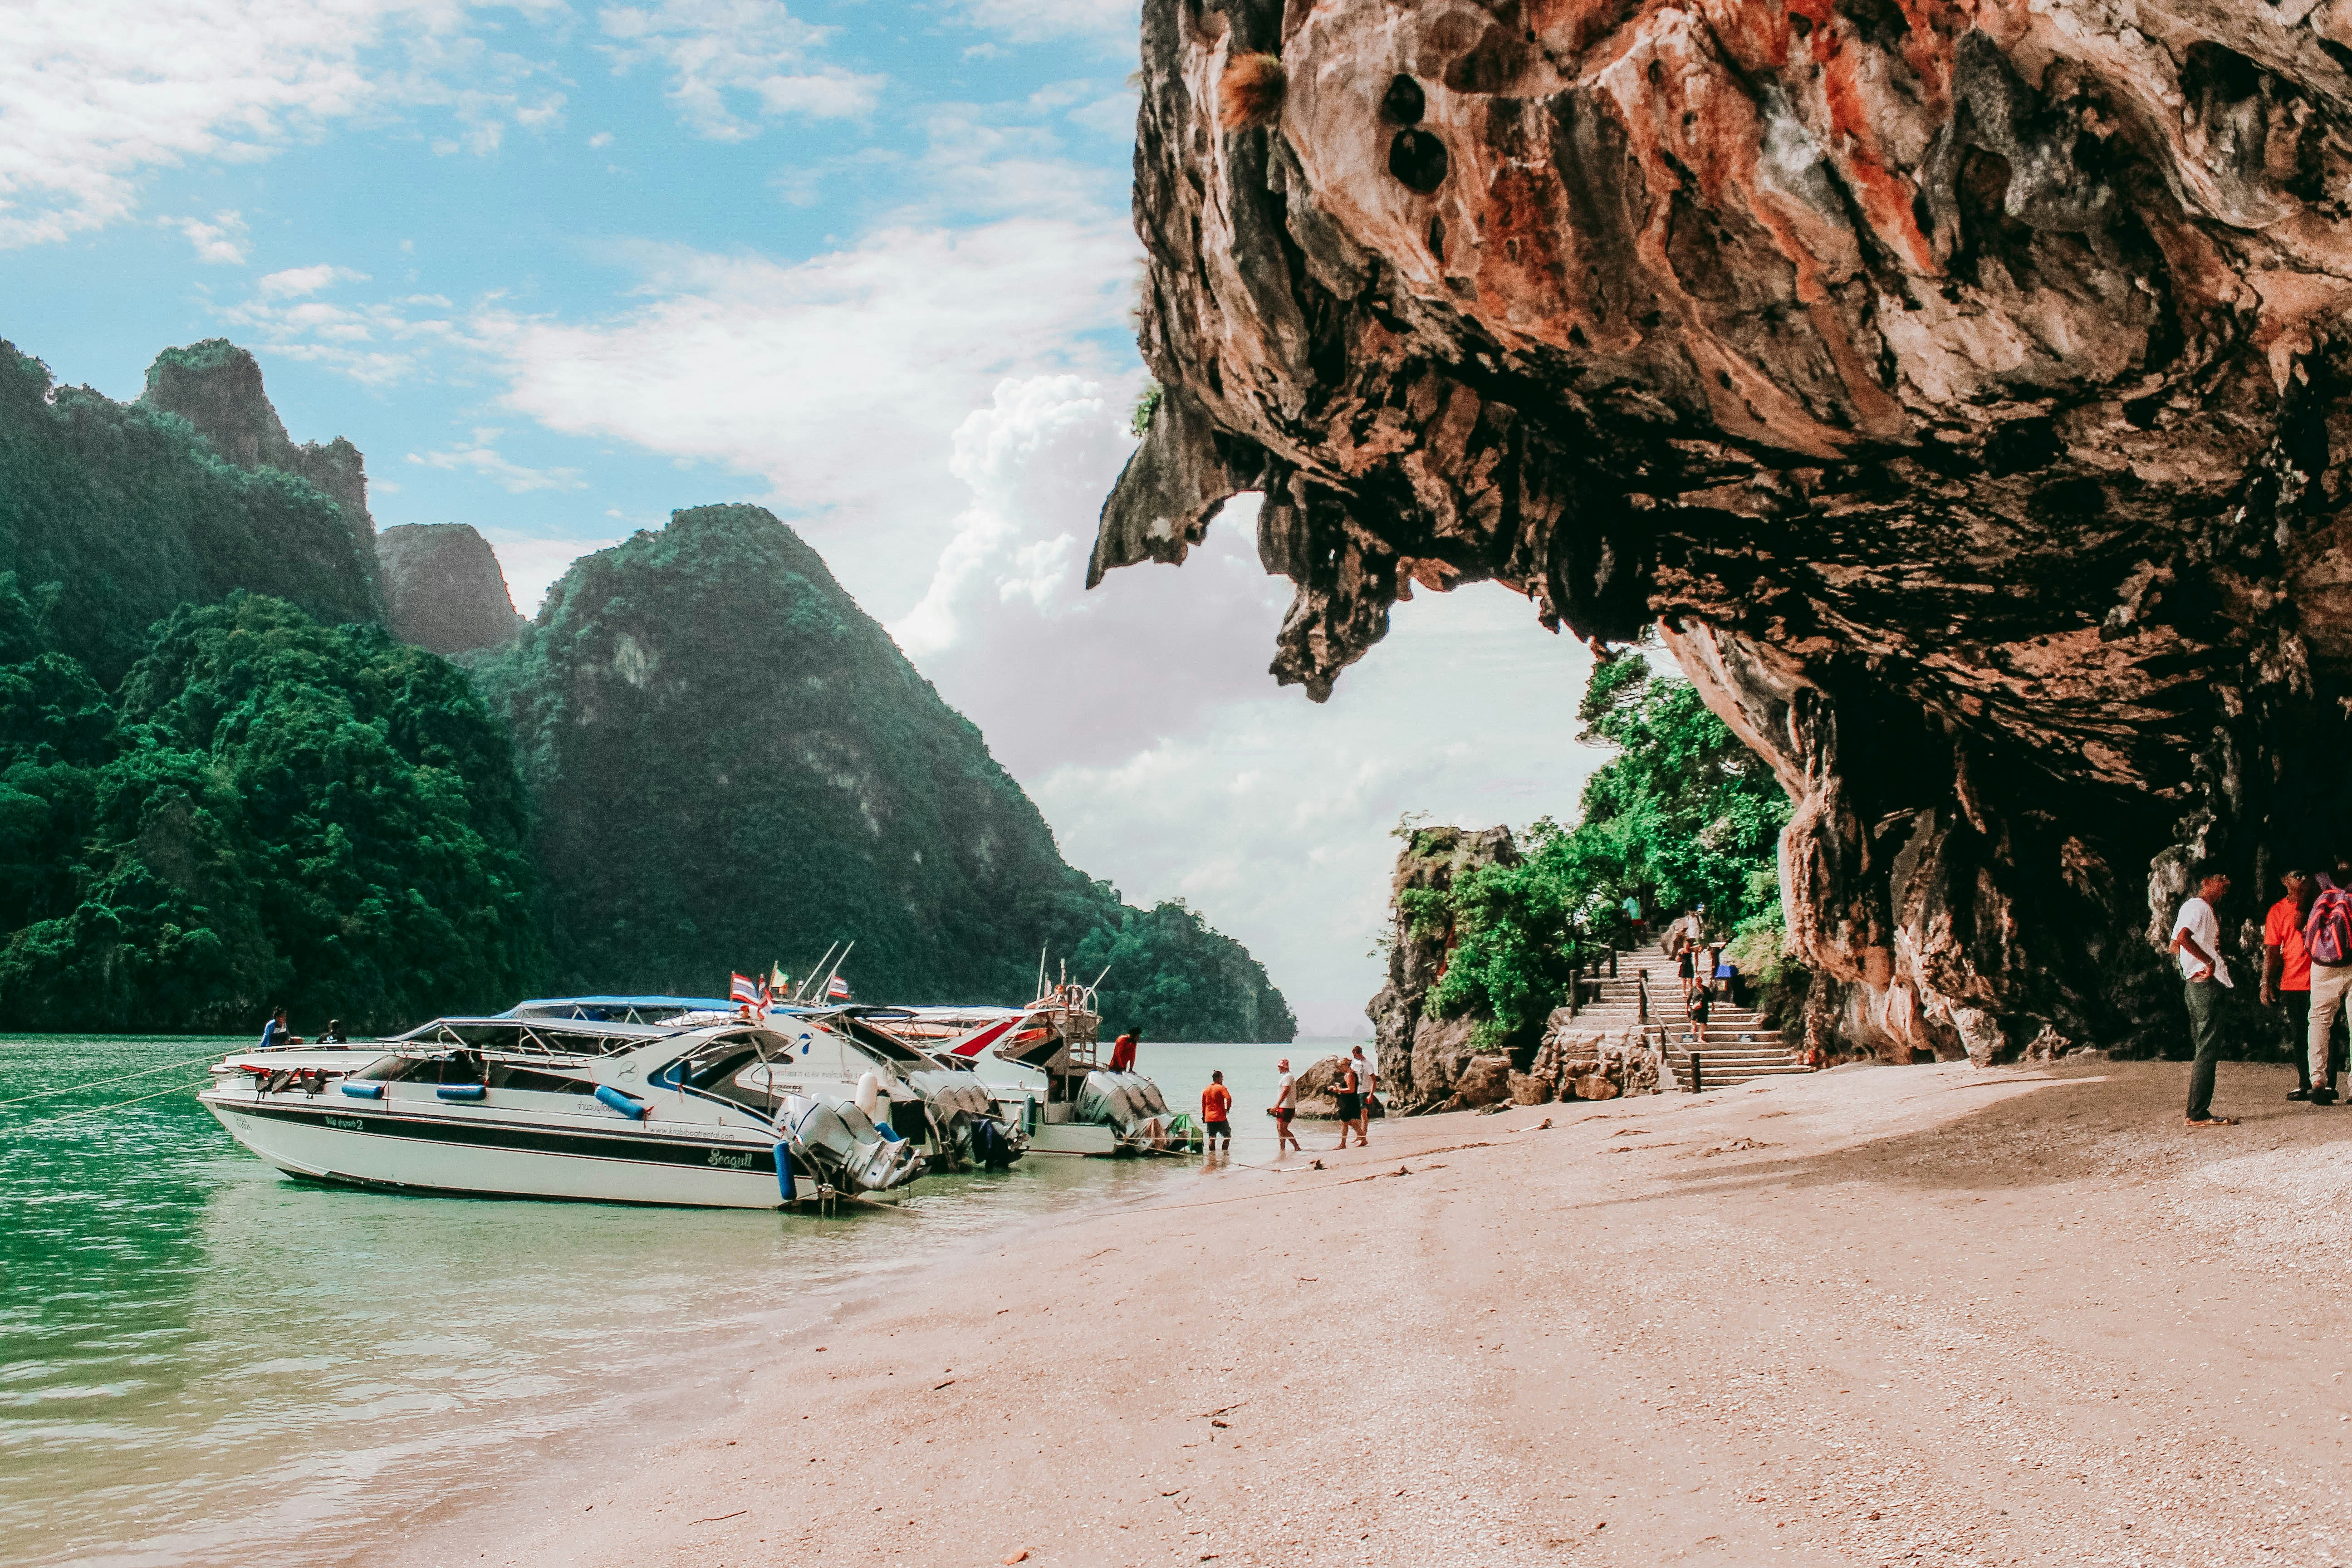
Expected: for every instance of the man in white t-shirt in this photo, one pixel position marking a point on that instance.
(1286, 1105)
(2204, 975)
(1367, 1080)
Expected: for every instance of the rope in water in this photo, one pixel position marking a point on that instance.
(102, 1082)
(118, 1105)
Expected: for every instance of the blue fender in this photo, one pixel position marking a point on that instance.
(363, 1091)
(462, 1091)
(784, 1172)
(633, 1108)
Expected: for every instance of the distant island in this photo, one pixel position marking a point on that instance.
(239, 765)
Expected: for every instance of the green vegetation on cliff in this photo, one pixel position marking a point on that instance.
(265, 810)
(1682, 815)
(731, 765)
(130, 514)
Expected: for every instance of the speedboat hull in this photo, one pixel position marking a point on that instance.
(475, 1151)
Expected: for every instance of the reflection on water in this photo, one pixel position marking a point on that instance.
(201, 1362)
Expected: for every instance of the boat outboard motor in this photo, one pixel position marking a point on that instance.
(862, 1156)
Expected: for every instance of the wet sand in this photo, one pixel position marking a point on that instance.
(1872, 1316)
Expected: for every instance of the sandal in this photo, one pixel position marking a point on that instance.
(2215, 1121)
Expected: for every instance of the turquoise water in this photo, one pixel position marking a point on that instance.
(201, 1362)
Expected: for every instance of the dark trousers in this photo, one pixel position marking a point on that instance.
(2295, 1006)
(2204, 998)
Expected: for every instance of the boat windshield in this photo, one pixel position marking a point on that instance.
(732, 1067)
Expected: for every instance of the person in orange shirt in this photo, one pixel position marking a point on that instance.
(1122, 1050)
(2287, 973)
(1216, 1111)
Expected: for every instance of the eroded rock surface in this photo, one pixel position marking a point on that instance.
(1423, 1060)
(1961, 388)
(444, 587)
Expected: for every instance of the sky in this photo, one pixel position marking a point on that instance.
(558, 270)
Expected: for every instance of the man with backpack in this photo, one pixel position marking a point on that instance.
(2205, 974)
(2327, 937)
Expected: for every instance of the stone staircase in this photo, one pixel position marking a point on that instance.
(1735, 1048)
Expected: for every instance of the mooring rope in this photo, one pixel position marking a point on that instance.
(118, 1105)
(102, 1082)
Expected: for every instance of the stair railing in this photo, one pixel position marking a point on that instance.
(1641, 990)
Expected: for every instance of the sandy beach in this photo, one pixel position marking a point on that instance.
(1873, 1315)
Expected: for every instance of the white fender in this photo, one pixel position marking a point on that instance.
(869, 1093)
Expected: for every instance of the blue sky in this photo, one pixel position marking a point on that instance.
(557, 269)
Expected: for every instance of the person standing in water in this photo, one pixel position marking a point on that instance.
(1286, 1105)
(1368, 1083)
(1217, 1112)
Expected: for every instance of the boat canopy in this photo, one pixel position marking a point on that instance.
(618, 1009)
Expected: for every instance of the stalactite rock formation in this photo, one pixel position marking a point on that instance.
(1957, 386)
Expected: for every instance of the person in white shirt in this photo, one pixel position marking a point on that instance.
(1367, 1078)
(2204, 975)
(1286, 1105)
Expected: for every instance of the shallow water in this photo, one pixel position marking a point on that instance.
(201, 1362)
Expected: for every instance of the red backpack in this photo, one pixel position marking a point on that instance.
(2328, 935)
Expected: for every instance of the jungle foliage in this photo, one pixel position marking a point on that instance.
(130, 514)
(1684, 815)
(732, 765)
(264, 810)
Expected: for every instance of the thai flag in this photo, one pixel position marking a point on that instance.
(837, 989)
(745, 989)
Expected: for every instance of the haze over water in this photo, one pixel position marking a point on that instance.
(201, 1362)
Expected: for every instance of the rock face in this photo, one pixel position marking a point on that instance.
(443, 587)
(215, 386)
(1422, 1059)
(1962, 389)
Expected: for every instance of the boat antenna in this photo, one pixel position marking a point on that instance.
(837, 963)
(1041, 974)
(810, 978)
(1098, 979)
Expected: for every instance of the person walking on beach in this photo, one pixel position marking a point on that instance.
(1122, 1052)
(1286, 1105)
(1367, 1082)
(1351, 1099)
(2205, 974)
(1217, 1111)
(2286, 972)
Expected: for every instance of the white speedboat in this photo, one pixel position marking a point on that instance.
(946, 1113)
(606, 1110)
(1081, 1107)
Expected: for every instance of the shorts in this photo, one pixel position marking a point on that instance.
(1687, 972)
(1283, 1113)
(1350, 1107)
(1219, 1129)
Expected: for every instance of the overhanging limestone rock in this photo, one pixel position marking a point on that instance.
(1965, 391)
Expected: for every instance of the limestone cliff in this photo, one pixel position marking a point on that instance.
(1963, 388)
(215, 386)
(1422, 1059)
(443, 587)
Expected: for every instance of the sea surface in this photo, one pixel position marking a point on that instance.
(204, 1363)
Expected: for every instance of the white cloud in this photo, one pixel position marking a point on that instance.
(1141, 718)
(602, 139)
(1112, 23)
(482, 457)
(533, 566)
(721, 53)
(295, 282)
(96, 94)
(840, 380)
(221, 242)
